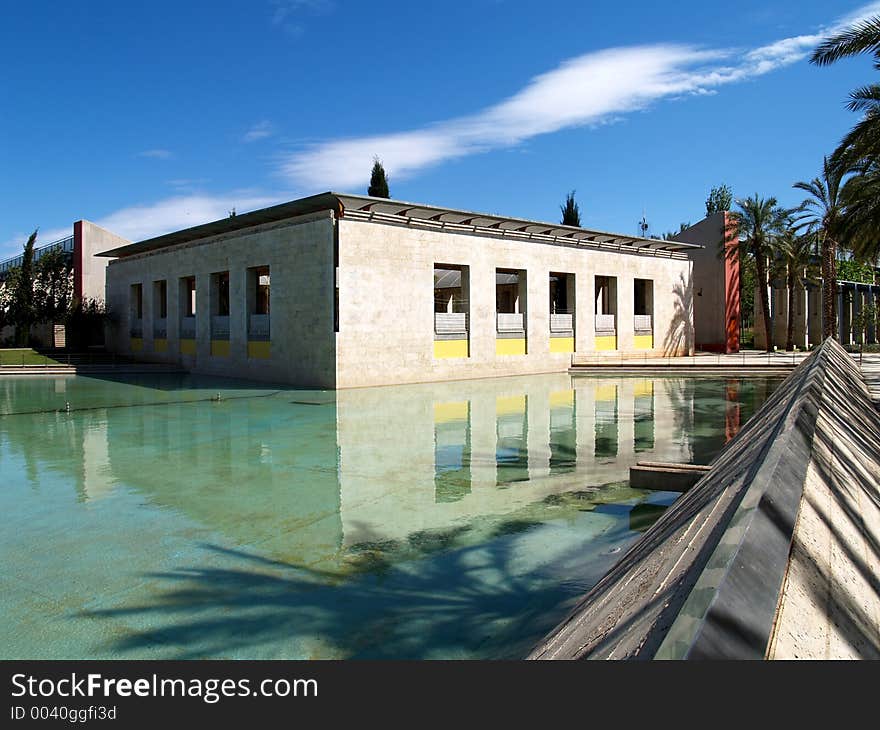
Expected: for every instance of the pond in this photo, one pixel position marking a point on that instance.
(173, 516)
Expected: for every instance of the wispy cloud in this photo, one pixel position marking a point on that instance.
(287, 14)
(158, 154)
(137, 222)
(591, 89)
(259, 131)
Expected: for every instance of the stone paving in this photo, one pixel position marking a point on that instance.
(830, 603)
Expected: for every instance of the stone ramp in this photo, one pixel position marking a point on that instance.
(705, 581)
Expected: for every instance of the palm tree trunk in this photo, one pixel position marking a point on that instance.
(761, 270)
(829, 288)
(789, 334)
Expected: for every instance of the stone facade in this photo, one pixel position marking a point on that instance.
(374, 324)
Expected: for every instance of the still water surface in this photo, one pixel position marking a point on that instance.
(453, 520)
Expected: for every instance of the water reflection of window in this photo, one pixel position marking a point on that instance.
(643, 416)
(452, 451)
(563, 432)
(511, 451)
(606, 421)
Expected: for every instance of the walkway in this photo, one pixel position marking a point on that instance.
(871, 374)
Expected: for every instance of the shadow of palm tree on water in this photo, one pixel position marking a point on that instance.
(460, 603)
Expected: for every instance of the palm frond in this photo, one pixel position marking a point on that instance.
(861, 37)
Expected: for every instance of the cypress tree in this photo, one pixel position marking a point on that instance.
(22, 307)
(571, 214)
(378, 181)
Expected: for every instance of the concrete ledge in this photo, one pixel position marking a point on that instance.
(705, 580)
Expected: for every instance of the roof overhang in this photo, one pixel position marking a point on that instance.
(384, 210)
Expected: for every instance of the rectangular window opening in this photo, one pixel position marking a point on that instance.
(451, 311)
(562, 320)
(511, 307)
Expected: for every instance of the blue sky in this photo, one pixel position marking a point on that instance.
(149, 118)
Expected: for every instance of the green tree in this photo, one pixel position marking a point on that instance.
(860, 226)
(22, 307)
(862, 143)
(720, 199)
(794, 251)
(824, 212)
(571, 213)
(757, 225)
(670, 235)
(53, 286)
(378, 181)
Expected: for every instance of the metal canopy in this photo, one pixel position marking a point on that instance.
(384, 210)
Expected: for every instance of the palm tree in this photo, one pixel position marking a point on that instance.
(794, 250)
(863, 141)
(824, 211)
(861, 225)
(757, 225)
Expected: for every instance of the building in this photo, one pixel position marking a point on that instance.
(339, 291)
(87, 269)
(716, 283)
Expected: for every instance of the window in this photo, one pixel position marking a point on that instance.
(188, 289)
(137, 301)
(160, 296)
(221, 294)
(451, 290)
(262, 290)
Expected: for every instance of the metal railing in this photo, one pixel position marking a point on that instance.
(642, 323)
(562, 323)
(220, 327)
(606, 323)
(65, 244)
(507, 322)
(450, 323)
(258, 327)
(187, 328)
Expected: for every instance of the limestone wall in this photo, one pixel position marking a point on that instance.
(300, 348)
(386, 304)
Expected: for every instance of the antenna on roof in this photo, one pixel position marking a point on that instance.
(643, 225)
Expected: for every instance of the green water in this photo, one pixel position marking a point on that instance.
(453, 520)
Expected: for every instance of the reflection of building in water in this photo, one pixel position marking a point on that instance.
(512, 449)
(431, 457)
(733, 412)
(452, 451)
(605, 399)
(304, 476)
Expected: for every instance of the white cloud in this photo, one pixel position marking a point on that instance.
(138, 222)
(261, 130)
(589, 89)
(287, 12)
(158, 154)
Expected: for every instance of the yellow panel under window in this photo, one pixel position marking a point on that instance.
(510, 346)
(187, 347)
(160, 345)
(645, 387)
(606, 392)
(446, 412)
(137, 344)
(450, 348)
(259, 349)
(562, 344)
(510, 404)
(220, 348)
(606, 342)
(643, 342)
(562, 398)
